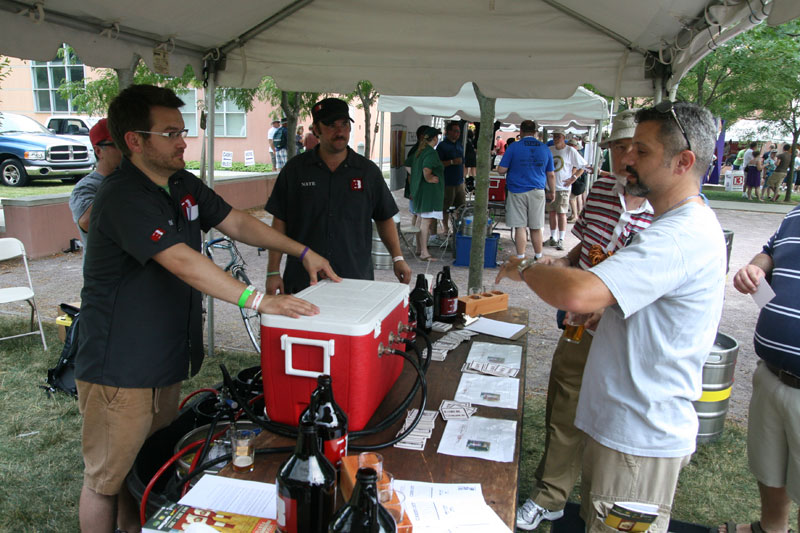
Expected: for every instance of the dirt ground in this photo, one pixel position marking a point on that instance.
(58, 279)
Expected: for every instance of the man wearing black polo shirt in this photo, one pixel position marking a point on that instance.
(326, 198)
(141, 327)
(451, 152)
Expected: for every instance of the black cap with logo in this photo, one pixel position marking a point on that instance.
(330, 110)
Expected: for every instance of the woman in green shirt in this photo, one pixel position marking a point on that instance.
(427, 187)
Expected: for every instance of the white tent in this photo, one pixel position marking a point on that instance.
(751, 130)
(510, 48)
(583, 107)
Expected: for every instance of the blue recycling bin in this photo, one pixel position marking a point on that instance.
(464, 244)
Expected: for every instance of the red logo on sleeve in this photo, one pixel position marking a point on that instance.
(157, 234)
(356, 184)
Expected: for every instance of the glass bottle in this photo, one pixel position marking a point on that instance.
(445, 297)
(330, 419)
(306, 486)
(422, 302)
(363, 513)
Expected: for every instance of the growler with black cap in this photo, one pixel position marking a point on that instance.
(421, 302)
(363, 513)
(330, 419)
(306, 486)
(445, 297)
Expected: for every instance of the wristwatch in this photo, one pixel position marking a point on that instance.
(524, 264)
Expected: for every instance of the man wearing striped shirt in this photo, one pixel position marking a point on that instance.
(773, 434)
(610, 217)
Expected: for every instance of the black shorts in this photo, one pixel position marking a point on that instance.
(579, 187)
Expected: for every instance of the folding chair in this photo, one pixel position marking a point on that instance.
(404, 232)
(9, 249)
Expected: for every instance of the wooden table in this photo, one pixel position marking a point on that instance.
(498, 480)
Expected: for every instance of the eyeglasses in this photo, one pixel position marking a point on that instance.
(669, 107)
(172, 135)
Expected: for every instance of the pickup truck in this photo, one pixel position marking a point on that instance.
(29, 151)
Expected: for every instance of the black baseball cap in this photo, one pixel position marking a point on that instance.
(330, 110)
(432, 132)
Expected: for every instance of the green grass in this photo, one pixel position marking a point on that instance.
(41, 466)
(40, 451)
(736, 196)
(236, 166)
(36, 188)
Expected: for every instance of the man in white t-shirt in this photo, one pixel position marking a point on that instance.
(568, 166)
(270, 144)
(662, 300)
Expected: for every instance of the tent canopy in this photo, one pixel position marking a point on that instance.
(510, 48)
(583, 107)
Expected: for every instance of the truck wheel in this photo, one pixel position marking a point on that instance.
(13, 173)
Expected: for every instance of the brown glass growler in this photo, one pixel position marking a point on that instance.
(330, 419)
(306, 485)
(363, 513)
(445, 297)
(421, 302)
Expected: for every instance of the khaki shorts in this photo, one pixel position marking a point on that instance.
(454, 196)
(775, 179)
(773, 432)
(561, 203)
(610, 476)
(116, 422)
(525, 209)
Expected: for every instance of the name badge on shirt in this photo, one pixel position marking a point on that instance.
(356, 184)
(190, 208)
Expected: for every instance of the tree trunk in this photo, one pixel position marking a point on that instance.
(481, 213)
(289, 106)
(791, 171)
(367, 128)
(125, 75)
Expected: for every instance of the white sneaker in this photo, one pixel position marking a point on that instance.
(530, 515)
(550, 242)
(560, 244)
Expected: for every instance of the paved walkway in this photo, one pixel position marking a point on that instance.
(756, 206)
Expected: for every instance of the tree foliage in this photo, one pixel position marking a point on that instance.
(5, 68)
(293, 105)
(367, 96)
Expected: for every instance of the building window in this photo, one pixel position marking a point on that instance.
(189, 110)
(48, 77)
(229, 119)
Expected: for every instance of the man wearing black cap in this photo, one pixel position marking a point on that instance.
(330, 195)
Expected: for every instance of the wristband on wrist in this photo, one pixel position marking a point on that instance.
(274, 273)
(245, 295)
(257, 301)
(398, 258)
(303, 253)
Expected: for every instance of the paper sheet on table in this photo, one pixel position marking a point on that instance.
(448, 507)
(484, 438)
(497, 328)
(501, 354)
(488, 390)
(233, 496)
(763, 294)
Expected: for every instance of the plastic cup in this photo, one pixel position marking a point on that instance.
(574, 326)
(244, 450)
(385, 487)
(396, 506)
(371, 460)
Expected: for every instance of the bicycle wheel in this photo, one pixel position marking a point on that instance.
(251, 319)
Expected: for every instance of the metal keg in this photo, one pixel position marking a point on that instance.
(381, 258)
(712, 407)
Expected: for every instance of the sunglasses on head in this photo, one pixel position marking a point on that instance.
(667, 106)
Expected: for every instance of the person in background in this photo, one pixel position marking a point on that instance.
(298, 139)
(427, 186)
(327, 198)
(568, 167)
(451, 153)
(781, 168)
(280, 140)
(661, 297)
(528, 167)
(82, 196)
(470, 160)
(752, 175)
(310, 140)
(271, 144)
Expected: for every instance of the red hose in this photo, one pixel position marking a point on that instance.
(198, 391)
(146, 494)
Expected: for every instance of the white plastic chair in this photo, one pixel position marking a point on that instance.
(9, 249)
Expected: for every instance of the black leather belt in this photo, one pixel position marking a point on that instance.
(786, 378)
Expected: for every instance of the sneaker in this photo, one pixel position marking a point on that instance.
(560, 244)
(550, 242)
(530, 515)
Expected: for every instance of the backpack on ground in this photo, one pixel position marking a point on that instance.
(62, 376)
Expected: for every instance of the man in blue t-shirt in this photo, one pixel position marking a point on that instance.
(451, 153)
(773, 436)
(528, 166)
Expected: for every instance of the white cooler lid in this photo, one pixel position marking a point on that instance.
(351, 307)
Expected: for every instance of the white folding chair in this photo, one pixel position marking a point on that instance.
(9, 249)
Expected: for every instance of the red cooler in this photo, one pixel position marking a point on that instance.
(356, 316)
(497, 188)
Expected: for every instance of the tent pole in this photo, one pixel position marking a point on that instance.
(380, 142)
(658, 93)
(210, 110)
